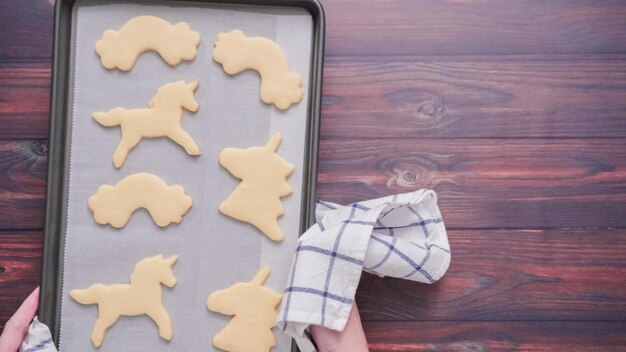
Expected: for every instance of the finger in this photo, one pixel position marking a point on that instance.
(352, 338)
(26, 312)
(17, 327)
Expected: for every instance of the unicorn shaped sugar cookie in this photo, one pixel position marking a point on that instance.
(141, 296)
(253, 308)
(263, 176)
(162, 118)
(120, 49)
(237, 53)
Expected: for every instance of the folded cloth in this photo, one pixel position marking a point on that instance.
(38, 339)
(401, 236)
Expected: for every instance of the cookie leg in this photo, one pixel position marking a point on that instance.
(183, 138)
(127, 143)
(100, 329)
(162, 319)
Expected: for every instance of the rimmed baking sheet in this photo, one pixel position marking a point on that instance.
(214, 251)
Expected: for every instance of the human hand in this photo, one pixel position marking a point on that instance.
(351, 339)
(16, 328)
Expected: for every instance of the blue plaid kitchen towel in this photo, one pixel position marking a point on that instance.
(401, 236)
(38, 339)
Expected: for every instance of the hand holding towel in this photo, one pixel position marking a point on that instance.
(402, 236)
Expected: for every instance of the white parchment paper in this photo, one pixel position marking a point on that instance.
(214, 251)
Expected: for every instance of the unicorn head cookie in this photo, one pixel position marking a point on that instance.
(257, 198)
(253, 308)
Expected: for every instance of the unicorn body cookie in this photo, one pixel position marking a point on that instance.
(162, 118)
(115, 204)
(120, 49)
(253, 307)
(257, 198)
(237, 53)
(141, 296)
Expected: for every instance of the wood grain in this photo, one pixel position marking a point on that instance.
(24, 100)
(22, 184)
(26, 29)
(452, 27)
(404, 27)
(472, 97)
(523, 275)
(20, 265)
(532, 336)
(506, 183)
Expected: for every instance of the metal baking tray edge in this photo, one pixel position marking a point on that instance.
(58, 152)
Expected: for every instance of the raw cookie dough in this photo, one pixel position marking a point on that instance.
(115, 204)
(162, 118)
(263, 176)
(236, 53)
(254, 310)
(120, 49)
(142, 296)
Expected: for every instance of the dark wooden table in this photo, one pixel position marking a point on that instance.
(513, 111)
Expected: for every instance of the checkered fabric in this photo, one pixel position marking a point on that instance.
(38, 338)
(402, 236)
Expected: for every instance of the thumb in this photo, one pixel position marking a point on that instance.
(17, 327)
